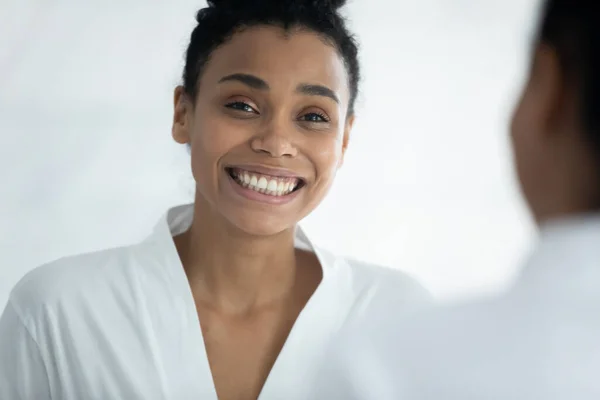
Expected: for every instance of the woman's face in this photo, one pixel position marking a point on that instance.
(268, 130)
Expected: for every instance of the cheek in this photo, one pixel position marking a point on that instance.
(327, 156)
(521, 126)
(213, 136)
(211, 139)
(518, 136)
(515, 125)
(526, 147)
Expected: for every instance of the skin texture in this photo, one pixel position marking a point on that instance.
(248, 281)
(556, 165)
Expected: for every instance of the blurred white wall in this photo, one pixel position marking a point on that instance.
(86, 158)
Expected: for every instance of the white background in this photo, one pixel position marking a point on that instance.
(87, 161)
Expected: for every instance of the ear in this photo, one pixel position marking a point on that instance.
(346, 138)
(182, 113)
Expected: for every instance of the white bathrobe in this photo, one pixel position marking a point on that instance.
(122, 324)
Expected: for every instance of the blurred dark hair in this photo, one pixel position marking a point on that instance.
(572, 28)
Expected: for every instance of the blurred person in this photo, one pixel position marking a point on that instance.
(227, 298)
(541, 338)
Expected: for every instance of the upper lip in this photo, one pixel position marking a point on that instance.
(267, 170)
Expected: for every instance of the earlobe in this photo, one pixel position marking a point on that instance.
(180, 129)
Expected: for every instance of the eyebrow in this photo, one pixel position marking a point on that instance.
(249, 80)
(257, 83)
(317, 90)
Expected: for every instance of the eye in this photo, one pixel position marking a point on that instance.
(241, 106)
(314, 117)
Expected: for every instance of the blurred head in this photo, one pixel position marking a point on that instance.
(266, 107)
(556, 125)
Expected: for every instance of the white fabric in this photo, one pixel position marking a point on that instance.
(122, 324)
(539, 340)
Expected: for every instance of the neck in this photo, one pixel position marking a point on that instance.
(231, 270)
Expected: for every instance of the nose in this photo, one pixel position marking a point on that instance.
(274, 142)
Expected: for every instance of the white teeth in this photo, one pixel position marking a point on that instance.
(272, 186)
(262, 183)
(266, 185)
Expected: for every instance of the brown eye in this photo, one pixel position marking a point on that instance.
(314, 117)
(241, 106)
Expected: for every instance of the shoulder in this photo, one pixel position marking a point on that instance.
(70, 280)
(402, 353)
(374, 285)
(384, 278)
(453, 340)
(441, 349)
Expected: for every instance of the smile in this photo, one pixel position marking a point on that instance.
(277, 186)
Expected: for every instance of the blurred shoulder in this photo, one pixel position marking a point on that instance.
(374, 285)
(386, 281)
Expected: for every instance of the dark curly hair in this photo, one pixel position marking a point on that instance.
(572, 28)
(218, 22)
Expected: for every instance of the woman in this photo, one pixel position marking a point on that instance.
(226, 299)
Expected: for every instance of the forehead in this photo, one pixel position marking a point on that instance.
(281, 58)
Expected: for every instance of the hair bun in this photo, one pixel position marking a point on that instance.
(221, 3)
(322, 4)
(215, 3)
(317, 4)
(336, 4)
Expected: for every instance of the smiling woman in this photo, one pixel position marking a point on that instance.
(227, 298)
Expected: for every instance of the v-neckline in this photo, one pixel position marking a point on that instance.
(285, 369)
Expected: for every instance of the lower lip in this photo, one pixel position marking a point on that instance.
(260, 197)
